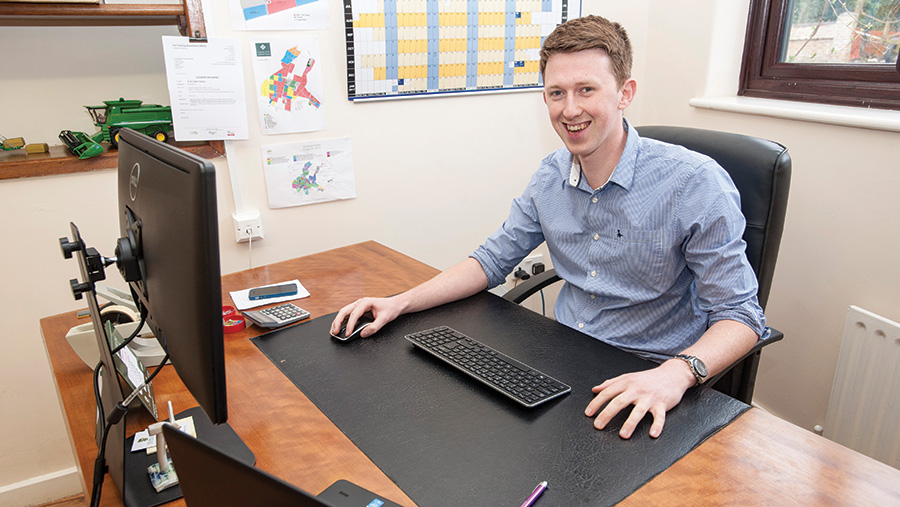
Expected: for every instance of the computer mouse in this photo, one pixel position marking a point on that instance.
(363, 322)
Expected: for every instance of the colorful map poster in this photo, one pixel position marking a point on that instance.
(289, 84)
(309, 172)
(279, 14)
(419, 47)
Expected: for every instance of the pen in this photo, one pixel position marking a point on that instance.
(535, 494)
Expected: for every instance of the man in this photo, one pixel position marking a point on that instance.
(646, 235)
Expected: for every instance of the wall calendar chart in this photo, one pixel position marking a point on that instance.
(401, 48)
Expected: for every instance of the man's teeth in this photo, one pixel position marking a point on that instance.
(576, 128)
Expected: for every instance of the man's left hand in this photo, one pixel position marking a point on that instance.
(655, 391)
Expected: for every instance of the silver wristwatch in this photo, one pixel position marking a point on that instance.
(697, 367)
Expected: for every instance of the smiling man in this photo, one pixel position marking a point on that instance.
(646, 235)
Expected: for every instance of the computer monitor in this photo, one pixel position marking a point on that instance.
(168, 218)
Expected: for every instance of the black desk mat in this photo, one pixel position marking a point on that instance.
(446, 440)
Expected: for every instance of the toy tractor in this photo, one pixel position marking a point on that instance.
(7, 144)
(150, 119)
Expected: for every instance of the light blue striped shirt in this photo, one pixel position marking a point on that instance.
(650, 260)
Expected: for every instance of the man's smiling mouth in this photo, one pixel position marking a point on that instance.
(578, 127)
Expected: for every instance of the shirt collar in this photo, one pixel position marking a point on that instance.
(623, 174)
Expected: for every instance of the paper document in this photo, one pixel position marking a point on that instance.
(242, 300)
(309, 172)
(206, 88)
(288, 74)
(279, 14)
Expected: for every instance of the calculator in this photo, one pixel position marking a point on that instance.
(277, 316)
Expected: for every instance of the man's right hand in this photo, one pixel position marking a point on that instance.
(460, 281)
(384, 310)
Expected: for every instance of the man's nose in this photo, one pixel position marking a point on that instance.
(572, 107)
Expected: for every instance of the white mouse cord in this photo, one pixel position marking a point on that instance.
(250, 249)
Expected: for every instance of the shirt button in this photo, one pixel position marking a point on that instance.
(593, 273)
(594, 200)
(581, 325)
(596, 236)
(593, 296)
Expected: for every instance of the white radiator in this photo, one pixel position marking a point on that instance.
(864, 410)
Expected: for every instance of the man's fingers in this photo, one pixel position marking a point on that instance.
(659, 420)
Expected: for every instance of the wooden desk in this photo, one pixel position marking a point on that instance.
(757, 460)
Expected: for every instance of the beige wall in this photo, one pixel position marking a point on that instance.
(841, 231)
(434, 178)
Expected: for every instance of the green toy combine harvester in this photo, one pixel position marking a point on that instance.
(150, 119)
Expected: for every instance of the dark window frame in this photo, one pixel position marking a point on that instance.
(762, 75)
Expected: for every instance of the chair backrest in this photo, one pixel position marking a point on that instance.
(761, 171)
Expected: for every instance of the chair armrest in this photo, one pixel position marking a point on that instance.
(754, 353)
(521, 292)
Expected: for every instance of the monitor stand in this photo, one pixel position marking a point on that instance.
(129, 470)
(138, 491)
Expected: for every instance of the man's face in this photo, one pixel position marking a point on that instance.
(584, 101)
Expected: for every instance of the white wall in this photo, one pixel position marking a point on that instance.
(434, 178)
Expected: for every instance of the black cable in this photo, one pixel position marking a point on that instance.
(158, 367)
(133, 335)
(100, 461)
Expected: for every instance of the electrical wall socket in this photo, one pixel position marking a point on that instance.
(527, 264)
(247, 225)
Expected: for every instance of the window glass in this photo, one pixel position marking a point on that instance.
(842, 32)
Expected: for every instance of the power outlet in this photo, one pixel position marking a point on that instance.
(525, 269)
(247, 225)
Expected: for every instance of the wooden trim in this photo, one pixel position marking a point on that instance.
(196, 26)
(187, 17)
(18, 164)
(90, 10)
(764, 76)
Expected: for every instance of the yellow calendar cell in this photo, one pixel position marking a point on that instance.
(452, 69)
(371, 20)
(452, 19)
(380, 73)
(490, 18)
(530, 67)
(528, 43)
(491, 43)
(448, 45)
(524, 19)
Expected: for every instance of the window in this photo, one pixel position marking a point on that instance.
(827, 51)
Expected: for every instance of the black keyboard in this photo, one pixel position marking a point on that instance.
(516, 380)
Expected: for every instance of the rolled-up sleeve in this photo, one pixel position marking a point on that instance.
(714, 250)
(517, 237)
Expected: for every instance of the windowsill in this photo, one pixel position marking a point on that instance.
(875, 119)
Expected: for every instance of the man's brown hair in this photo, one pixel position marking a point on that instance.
(591, 32)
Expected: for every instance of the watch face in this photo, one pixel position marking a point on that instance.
(701, 368)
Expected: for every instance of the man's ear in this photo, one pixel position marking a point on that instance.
(626, 93)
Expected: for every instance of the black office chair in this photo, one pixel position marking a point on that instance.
(761, 171)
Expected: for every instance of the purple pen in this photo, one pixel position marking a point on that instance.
(535, 494)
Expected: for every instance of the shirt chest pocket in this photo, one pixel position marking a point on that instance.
(634, 257)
